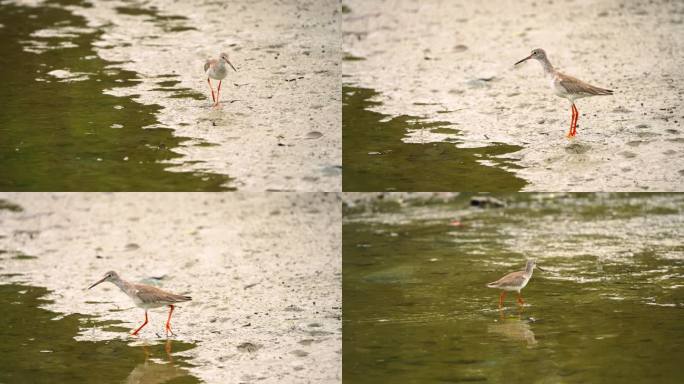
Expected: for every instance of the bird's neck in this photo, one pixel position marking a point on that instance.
(546, 64)
(123, 285)
(529, 269)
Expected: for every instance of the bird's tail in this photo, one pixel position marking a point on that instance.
(601, 91)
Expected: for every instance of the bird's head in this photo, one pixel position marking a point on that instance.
(531, 264)
(537, 54)
(109, 276)
(224, 57)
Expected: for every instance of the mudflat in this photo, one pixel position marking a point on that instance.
(263, 270)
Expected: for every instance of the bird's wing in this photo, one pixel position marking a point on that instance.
(574, 85)
(149, 294)
(513, 278)
(208, 64)
(517, 280)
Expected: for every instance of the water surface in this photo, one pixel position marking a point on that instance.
(377, 158)
(609, 308)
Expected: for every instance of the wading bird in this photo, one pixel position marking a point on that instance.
(566, 86)
(514, 281)
(145, 297)
(216, 69)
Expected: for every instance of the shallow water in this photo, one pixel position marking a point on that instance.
(60, 131)
(39, 346)
(376, 156)
(608, 308)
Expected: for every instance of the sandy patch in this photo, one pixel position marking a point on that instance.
(264, 272)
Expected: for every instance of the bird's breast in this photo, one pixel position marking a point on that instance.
(527, 280)
(218, 72)
(557, 88)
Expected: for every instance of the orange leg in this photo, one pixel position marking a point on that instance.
(574, 129)
(501, 298)
(212, 90)
(520, 300)
(168, 322)
(138, 330)
(218, 93)
(572, 122)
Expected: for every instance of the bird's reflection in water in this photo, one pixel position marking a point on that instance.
(514, 328)
(158, 366)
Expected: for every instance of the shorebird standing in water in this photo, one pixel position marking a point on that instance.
(216, 69)
(566, 86)
(145, 296)
(514, 281)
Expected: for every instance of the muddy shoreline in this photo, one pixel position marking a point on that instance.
(279, 126)
(453, 61)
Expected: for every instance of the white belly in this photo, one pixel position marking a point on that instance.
(139, 303)
(217, 73)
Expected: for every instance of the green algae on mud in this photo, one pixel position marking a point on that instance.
(10, 206)
(63, 134)
(376, 159)
(607, 309)
(22, 256)
(38, 346)
(169, 23)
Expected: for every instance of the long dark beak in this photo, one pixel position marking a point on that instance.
(231, 65)
(527, 58)
(540, 268)
(101, 281)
